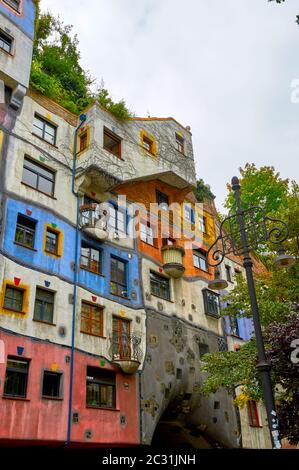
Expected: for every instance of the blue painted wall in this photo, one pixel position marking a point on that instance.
(99, 284)
(24, 20)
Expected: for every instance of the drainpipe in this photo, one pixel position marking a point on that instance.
(69, 424)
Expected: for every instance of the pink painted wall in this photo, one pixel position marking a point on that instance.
(35, 418)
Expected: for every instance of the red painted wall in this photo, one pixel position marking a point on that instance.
(35, 418)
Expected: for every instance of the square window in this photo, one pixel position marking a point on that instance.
(44, 305)
(44, 129)
(38, 177)
(25, 231)
(6, 42)
(118, 277)
(91, 319)
(160, 286)
(180, 142)
(112, 142)
(16, 378)
(13, 299)
(52, 385)
(91, 258)
(100, 388)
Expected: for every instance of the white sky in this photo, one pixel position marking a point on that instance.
(224, 67)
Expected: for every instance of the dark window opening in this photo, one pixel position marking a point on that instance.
(211, 303)
(228, 273)
(91, 258)
(44, 129)
(52, 241)
(44, 305)
(38, 177)
(5, 42)
(13, 299)
(234, 326)
(162, 200)
(52, 384)
(16, 378)
(100, 388)
(203, 349)
(25, 231)
(118, 279)
(180, 141)
(91, 319)
(112, 142)
(160, 286)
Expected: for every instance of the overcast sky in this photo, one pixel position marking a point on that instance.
(224, 67)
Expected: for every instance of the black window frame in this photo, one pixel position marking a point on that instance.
(14, 370)
(18, 289)
(159, 281)
(7, 40)
(11, 4)
(24, 230)
(58, 375)
(117, 226)
(103, 379)
(43, 130)
(45, 301)
(162, 199)
(213, 312)
(39, 175)
(88, 266)
(200, 255)
(121, 287)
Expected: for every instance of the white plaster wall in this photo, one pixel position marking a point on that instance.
(16, 66)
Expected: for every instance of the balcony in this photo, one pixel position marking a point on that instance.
(93, 222)
(125, 351)
(173, 260)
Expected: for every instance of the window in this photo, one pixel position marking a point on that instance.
(25, 231)
(14, 4)
(228, 273)
(13, 299)
(160, 286)
(16, 378)
(5, 42)
(44, 129)
(83, 141)
(211, 303)
(234, 326)
(253, 414)
(91, 319)
(121, 338)
(117, 219)
(179, 142)
(162, 200)
(38, 177)
(168, 241)
(203, 349)
(202, 221)
(52, 384)
(146, 233)
(148, 144)
(118, 283)
(91, 258)
(189, 214)
(100, 388)
(44, 305)
(52, 241)
(200, 260)
(112, 142)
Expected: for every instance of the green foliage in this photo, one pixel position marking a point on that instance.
(56, 71)
(203, 191)
(282, 1)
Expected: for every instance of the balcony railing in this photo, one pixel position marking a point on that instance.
(125, 351)
(173, 263)
(92, 222)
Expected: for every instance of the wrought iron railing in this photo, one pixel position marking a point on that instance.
(125, 347)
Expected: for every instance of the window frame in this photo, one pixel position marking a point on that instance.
(201, 255)
(117, 210)
(208, 311)
(90, 320)
(202, 223)
(116, 282)
(253, 414)
(228, 273)
(8, 40)
(146, 238)
(180, 143)
(24, 229)
(159, 279)
(45, 122)
(83, 135)
(60, 393)
(99, 270)
(19, 371)
(9, 4)
(113, 136)
(16, 288)
(38, 288)
(39, 175)
(59, 238)
(123, 337)
(104, 382)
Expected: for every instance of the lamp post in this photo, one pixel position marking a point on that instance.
(239, 234)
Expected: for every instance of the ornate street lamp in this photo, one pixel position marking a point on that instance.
(239, 234)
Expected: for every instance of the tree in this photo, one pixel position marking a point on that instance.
(203, 191)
